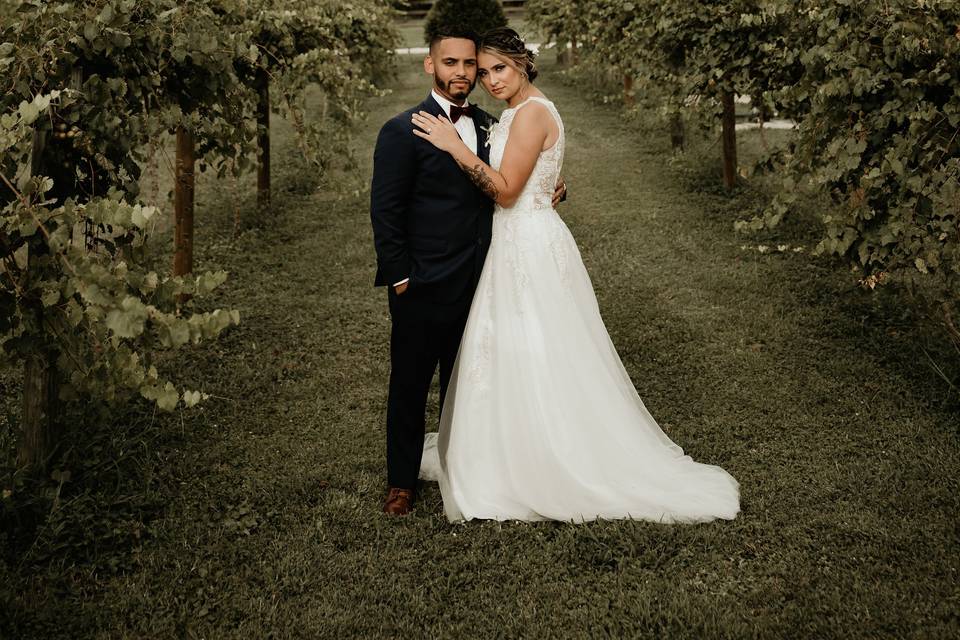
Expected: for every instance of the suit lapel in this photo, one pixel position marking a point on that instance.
(482, 125)
(432, 107)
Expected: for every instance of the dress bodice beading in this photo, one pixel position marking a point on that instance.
(537, 194)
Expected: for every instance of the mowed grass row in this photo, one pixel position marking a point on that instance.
(764, 364)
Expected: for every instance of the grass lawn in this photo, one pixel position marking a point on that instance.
(258, 514)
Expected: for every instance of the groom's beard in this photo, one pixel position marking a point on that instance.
(455, 90)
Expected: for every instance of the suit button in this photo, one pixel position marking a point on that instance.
(480, 242)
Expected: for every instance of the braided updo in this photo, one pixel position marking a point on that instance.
(506, 42)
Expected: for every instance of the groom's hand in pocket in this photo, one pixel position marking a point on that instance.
(400, 288)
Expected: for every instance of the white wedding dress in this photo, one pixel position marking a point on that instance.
(541, 420)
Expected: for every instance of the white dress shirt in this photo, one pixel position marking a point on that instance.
(463, 125)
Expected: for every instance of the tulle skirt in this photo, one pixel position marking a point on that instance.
(541, 420)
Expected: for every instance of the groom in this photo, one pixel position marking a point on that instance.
(431, 231)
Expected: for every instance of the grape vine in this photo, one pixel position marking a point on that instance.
(874, 87)
(89, 87)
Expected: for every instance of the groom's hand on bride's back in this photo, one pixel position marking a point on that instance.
(560, 192)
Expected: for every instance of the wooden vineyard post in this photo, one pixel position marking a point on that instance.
(263, 140)
(676, 131)
(729, 141)
(563, 57)
(677, 60)
(629, 99)
(40, 423)
(183, 204)
(41, 428)
(574, 54)
(762, 119)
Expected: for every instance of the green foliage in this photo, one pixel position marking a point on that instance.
(150, 66)
(8, 11)
(138, 68)
(874, 86)
(342, 49)
(880, 133)
(680, 52)
(477, 15)
(91, 304)
(95, 82)
(556, 19)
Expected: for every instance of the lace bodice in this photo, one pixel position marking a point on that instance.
(538, 192)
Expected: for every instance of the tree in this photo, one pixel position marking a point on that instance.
(477, 15)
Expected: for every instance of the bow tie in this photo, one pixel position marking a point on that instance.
(456, 112)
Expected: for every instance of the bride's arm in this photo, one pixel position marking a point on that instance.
(528, 132)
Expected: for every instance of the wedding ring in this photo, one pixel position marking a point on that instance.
(429, 130)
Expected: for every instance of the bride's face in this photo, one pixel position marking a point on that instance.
(500, 76)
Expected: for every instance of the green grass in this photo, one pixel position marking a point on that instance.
(263, 517)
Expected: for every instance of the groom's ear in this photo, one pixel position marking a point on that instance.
(428, 64)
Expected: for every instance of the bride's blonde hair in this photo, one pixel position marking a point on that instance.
(507, 43)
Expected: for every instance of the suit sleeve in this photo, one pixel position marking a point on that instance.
(394, 172)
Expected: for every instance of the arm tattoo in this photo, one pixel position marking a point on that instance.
(479, 178)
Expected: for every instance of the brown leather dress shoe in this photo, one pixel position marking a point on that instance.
(399, 502)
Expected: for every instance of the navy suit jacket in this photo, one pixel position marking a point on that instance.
(430, 222)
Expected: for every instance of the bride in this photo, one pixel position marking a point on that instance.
(541, 420)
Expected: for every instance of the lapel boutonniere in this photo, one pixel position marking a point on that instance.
(488, 130)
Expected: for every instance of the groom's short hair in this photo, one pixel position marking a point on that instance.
(453, 31)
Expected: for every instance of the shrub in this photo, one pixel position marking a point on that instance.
(476, 15)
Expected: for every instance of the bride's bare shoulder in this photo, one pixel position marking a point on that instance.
(535, 118)
(534, 112)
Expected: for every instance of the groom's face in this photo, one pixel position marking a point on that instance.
(453, 64)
